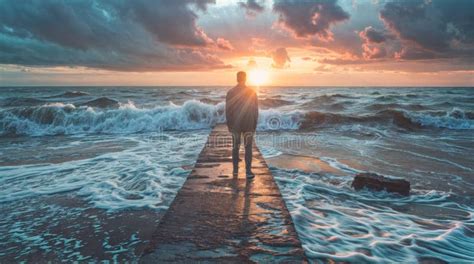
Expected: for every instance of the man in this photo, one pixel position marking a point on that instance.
(241, 110)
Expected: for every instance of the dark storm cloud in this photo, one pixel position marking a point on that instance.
(136, 35)
(308, 18)
(371, 35)
(170, 21)
(134, 56)
(436, 28)
(252, 7)
(72, 25)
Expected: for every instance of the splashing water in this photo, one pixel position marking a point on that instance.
(82, 165)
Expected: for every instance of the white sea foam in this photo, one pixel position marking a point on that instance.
(131, 169)
(335, 222)
(60, 118)
(454, 119)
(146, 175)
(66, 118)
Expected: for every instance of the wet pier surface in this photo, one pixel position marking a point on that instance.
(218, 217)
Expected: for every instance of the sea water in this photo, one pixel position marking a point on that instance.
(86, 172)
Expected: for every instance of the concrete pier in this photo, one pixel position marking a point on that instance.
(218, 217)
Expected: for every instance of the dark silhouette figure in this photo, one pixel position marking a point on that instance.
(242, 113)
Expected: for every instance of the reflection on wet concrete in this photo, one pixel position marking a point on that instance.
(220, 217)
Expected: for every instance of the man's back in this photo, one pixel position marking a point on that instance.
(241, 109)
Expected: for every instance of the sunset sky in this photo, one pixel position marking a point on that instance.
(202, 42)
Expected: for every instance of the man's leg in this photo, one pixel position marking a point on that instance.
(248, 140)
(235, 151)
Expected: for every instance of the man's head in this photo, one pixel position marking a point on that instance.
(241, 77)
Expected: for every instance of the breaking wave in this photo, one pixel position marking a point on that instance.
(59, 118)
(454, 119)
(108, 116)
(105, 115)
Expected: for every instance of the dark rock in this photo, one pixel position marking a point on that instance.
(377, 182)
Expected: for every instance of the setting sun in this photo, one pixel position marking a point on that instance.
(258, 77)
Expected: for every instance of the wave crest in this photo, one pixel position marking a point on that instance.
(59, 118)
(454, 119)
(105, 115)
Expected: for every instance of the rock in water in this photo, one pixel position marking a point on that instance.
(377, 182)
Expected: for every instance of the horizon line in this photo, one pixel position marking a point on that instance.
(261, 86)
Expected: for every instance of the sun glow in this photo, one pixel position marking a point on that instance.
(258, 77)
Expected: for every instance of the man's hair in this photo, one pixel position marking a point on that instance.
(241, 76)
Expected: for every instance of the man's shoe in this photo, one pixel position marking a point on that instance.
(250, 175)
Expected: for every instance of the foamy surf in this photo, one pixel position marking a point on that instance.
(145, 175)
(69, 119)
(337, 223)
(76, 162)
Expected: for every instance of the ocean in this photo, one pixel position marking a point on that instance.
(87, 172)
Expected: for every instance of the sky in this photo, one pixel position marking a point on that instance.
(205, 42)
